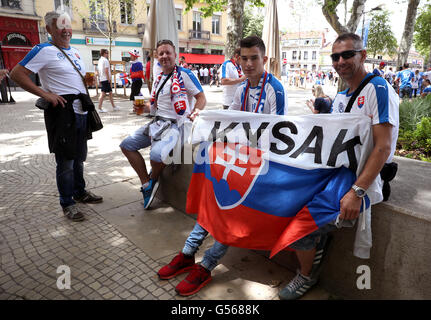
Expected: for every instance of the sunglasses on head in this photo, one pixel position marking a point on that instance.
(165, 41)
(345, 54)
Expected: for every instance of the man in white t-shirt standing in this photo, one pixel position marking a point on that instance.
(104, 70)
(231, 77)
(206, 75)
(63, 91)
(172, 103)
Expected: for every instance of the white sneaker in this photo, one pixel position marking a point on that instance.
(116, 108)
(102, 110)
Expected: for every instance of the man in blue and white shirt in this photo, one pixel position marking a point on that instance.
(405, 77)
(379, 101)
(65, 119)
(231, 77)
(262, 92)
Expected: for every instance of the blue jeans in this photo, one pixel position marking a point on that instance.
(70, 173)
(212, 255)
(406, 91)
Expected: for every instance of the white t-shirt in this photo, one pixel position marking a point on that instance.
(56, 73)
(101, 66)
(228, 70)
(378, 99)
(275, 100)
(206, 72)
(164, 103)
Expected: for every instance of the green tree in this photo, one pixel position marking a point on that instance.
(381, 39)
(235, 13)
(253, 23)
(422, 36)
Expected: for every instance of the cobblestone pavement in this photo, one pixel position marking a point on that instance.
(35, 238)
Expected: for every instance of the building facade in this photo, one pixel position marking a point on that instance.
(201, 40)
(19, 30)
(301, 50)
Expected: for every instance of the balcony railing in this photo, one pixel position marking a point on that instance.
(200, 35)
(93, 26)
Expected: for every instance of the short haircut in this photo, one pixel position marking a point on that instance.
(253, 41)
(405, 65)
(103, 51)
(357, 40)
(165, 41)
(427, 80)
(50, 16)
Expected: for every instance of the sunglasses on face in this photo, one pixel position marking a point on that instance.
(345, 55)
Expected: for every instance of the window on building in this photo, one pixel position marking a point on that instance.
(198, 50)
(216, 25)
(97, 11)
(379, 57)
(95, 55)
(181, 49)
(179, 16)
(197, 21)
(216, 51)
(305, 55)
(305, 66)
(294, 55)
(59, 4)
(13, 4)
(126, 11)
(314, 55)
(292, 66)
(284, 55)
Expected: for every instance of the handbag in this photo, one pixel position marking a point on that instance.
(93, 118)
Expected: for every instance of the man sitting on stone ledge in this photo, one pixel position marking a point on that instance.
(171, 99)
(264, 94)
(378, 100)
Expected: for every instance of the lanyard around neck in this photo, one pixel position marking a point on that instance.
(244, 104)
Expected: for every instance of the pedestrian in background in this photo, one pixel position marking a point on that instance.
(104, 71)
(322, 103)
(136, 74)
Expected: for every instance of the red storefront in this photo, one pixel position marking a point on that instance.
(195, 58)
(17, 37)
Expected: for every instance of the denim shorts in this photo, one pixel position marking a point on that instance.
(160, 149)
(310, 241)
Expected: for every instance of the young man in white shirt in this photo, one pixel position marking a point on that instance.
(253, 61)
(104, 71)
(231, 77)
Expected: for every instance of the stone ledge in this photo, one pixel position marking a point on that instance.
(400, 260)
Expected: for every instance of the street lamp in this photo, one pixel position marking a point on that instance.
(378, 8)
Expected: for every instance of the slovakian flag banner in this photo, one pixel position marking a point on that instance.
(265, 181)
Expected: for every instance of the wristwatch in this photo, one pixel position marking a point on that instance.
(360, 192)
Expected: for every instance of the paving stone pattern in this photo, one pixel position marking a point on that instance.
(35, 237)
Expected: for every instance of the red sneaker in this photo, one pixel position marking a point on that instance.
(196, 280)
(178, 265)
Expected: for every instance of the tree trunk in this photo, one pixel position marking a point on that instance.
(329, 10)
(406, 40)
(235, 13)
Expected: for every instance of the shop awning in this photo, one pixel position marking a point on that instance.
(203, 58)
